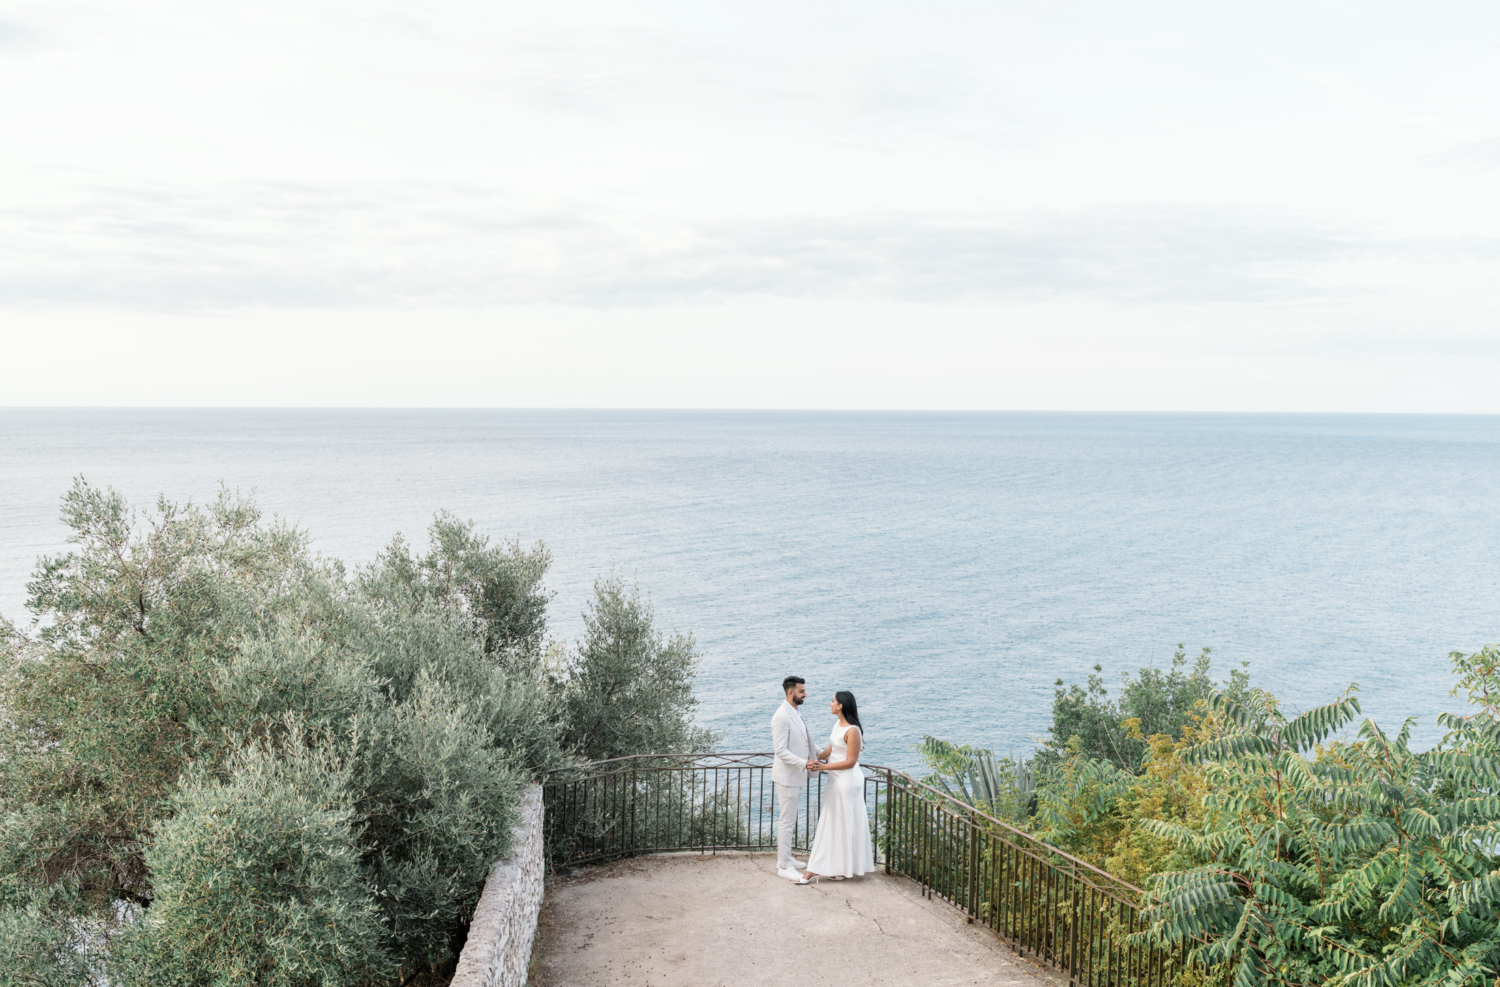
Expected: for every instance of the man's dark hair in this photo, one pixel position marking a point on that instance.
(792, 680)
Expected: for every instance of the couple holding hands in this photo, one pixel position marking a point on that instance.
(842, 846)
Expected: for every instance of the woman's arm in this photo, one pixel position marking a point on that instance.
(852, 738)
(817, 763)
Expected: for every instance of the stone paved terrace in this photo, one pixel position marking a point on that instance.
(728, 921)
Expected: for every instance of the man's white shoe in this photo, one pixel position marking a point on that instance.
(798, 864)
(790, 873)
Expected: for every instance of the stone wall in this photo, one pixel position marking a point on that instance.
(499, 947)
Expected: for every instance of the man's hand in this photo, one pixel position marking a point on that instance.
(814, 765)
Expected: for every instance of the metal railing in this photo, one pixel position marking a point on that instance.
(1062, 911)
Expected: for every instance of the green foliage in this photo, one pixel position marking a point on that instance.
(438, 802)
(1277, 851)
(296, 776)
(628, 688)
(1169, 790)
(410, 636)
(1003, 787)
(115, 693)
(498, 589)
(1076, 808)
(1479, 678)
(45, 932)
(1369, 864)
(257, 880)
(1087, 723)
(1099, 777)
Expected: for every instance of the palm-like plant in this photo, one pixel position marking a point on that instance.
(1369, 864)
(975, 776)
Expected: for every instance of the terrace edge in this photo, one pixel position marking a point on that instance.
(498, 950)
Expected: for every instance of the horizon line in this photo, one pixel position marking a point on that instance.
(659, 409)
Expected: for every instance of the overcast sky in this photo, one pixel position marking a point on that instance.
(814, 204)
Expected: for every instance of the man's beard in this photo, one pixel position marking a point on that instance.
(798, 700)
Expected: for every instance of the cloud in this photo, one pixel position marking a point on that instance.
(15, 35)
(1135, 254)
(1474, 156)
(306, 245)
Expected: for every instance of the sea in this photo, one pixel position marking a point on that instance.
(946, 568)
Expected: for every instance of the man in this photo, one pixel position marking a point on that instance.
(795, 753)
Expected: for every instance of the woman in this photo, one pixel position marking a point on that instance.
(841, 847)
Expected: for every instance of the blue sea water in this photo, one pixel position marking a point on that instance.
(947, 568)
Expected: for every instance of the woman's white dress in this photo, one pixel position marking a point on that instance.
(842, 843)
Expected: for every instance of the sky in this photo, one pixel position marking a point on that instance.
(1194, 206)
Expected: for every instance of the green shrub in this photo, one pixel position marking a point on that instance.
(289, 667)
(439, 803)
(297, 776)
(1370, 864)
(256, 880)
(45, 932)
(628, 689)
(408, 639)
(1275, 851)
(114, 693)
(1086, 722)
(497, 589)
(1003, 787)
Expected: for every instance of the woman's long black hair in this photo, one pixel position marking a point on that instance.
(850, 710)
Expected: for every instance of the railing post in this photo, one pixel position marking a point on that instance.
(973, 895)
(1074, 933)
(890, 818)
(926, 836)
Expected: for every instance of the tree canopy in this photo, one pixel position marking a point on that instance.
(225, 758)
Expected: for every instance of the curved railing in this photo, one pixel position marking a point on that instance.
(1059, 909)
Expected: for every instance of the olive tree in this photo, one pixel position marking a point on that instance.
(293, 775)
(628, 688)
